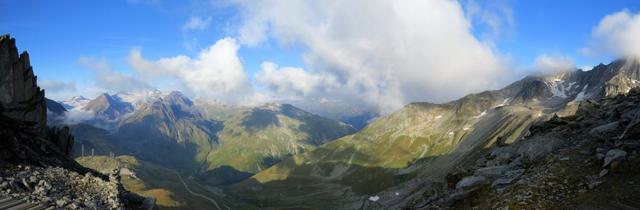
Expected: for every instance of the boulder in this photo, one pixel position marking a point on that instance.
(471, 182)
(502, 155)
(604, 129)
(491, 172)
(502, 181)
(633, 129)
(613, 155)
(538, 148)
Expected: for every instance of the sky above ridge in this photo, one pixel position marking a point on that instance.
(380, 54)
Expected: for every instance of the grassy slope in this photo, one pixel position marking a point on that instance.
(253, 140)
(387, 152)
(244, 150)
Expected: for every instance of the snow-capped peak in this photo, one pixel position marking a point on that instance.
(140, 97)
(75, 102)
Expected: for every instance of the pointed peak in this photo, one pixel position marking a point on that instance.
(75, 98)
(177, 97)
(175, 93)
(104, 95)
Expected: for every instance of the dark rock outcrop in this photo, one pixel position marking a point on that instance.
(22, 100)
(20, 96)
(35, 159)
(61, 137)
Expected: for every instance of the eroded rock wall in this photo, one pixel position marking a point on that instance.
(21, 99)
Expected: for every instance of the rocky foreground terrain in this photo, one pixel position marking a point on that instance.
(35, 166)
(584, 161)
(65, 189)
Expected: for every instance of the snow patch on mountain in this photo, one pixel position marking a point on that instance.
(505, 102)
(141, 97)
(75, 102)
(557, 88)
(481, 114)
(582, 95)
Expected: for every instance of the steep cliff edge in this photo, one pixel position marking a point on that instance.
(35, 167)
(23, 115)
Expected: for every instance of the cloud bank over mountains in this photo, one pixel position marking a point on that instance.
(216, 73)
(617, 34)
(384, 54)
(381, 54)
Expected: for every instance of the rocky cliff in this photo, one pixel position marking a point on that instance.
(35, 167)
(23, 107)
(20, 96)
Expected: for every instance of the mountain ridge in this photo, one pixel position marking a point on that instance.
(397, 144)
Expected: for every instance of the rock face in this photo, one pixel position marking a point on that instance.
(62, 138)
(22, 100)
(20, 96)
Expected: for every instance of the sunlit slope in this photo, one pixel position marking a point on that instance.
(390, 151)
(254, 139)
(418, 131)
(224, 144)
(170, 125)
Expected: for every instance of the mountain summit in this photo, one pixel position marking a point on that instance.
(108, 108)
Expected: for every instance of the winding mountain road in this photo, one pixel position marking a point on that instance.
(197, 194)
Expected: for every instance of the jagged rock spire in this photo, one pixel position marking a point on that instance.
(20, 96)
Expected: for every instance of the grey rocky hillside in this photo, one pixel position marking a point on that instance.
(582, 161)
(35, 166)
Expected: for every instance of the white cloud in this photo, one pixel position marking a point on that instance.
(550, 64)
(386, 53)
(291, 81)
(57, 86)
(110, 80)
(216, 73)
(75, 116)
(496, 15)
(196, 23)
(617, 34)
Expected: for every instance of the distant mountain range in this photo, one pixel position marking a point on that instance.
(224, 143)
(262, 151)
(427, 141)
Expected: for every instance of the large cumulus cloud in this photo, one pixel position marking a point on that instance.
(386, 53)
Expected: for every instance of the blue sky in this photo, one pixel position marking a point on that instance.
(558, 27)
(59, 33)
